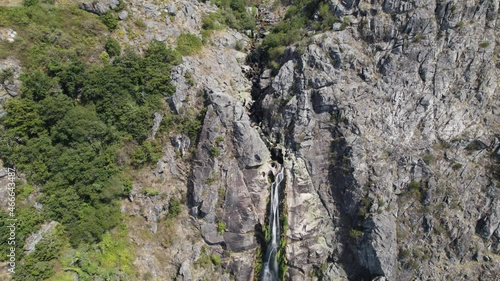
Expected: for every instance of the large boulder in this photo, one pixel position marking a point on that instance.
(100, 7)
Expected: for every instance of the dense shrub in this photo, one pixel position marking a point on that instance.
(174, 208)
(110, 19)
(234, 14)
(188, 44)
(40, 264)
(67, 127)
(28, 3)
(112, 47)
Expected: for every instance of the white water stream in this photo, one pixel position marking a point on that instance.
(270, 272)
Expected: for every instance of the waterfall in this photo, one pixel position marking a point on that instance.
(270, 272)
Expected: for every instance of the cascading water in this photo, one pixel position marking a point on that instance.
(270, 272)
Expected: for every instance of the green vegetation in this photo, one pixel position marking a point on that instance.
(110, 20)
(190, 123)
(282, 269)
(219, 140)
(74, 132)
(319, 272)
(139, 23)
(104, 57)
(416, 190)
(221, 227)
(418, 37)
(258, 263)
(414, 185)
(39, 265)
(174, 208)
(364, 208)
(214, 151)
(69, 125)
(112, 258)
(484, 44)
(475, 145)
(23, 191)
(205, 260)
(300, 18)
(28, 3)
(281, 250)
(6, 75)
(150, 192)
(112, 47)
(48, 34)
(216, 260)
(456, 166)
(212, 179)
(231, 13)
(188, 44)
(355, 234)
(146, 153)
(28, 220)
(429, 159)
(189, 78)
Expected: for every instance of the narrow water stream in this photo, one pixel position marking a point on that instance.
(270, 272)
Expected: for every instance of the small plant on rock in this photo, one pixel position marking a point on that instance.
(150, 192)
(221, 227)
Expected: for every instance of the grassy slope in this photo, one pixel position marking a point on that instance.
(48, 32)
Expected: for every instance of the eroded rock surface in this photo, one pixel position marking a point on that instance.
(385, 116)
(230, 180)
(100, 7)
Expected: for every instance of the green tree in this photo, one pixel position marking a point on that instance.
(22, 120)
(112, 47)
(28, 3)
(37, 85)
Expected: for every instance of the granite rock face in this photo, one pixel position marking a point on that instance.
(386, 117)
(162, 20)
(46, 230)
(229, 181)
(10, 85)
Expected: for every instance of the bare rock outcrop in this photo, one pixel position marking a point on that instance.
(229, 181)
(100, 7)
(395, 119)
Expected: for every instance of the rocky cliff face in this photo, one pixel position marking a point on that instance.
(390, 126)
(387, 130)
